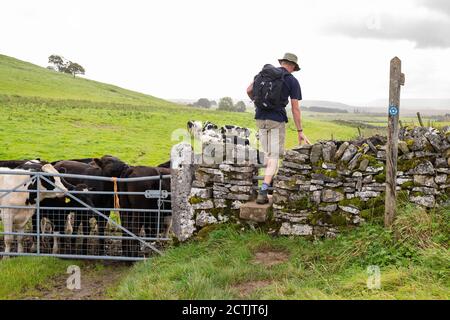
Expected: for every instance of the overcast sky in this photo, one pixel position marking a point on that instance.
(200, 48)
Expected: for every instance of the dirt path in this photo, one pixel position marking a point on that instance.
(96, 279)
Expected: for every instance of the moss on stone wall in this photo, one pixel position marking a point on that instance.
(196, 200)
(328, 173)
(407, 185)
(301, 204)
(380, 178)
(357, 202)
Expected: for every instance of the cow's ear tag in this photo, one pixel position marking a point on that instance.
(67, 200)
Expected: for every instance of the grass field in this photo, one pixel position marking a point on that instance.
(413, 264)
(64, 129)
(54, 116)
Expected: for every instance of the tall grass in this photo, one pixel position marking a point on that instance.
(413, 265)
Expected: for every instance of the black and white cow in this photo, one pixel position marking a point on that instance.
(15, 219)
(67, 221)
(235, 135)
(209, 132)
(12, 164)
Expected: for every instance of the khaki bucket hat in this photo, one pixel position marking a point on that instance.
(291, 58)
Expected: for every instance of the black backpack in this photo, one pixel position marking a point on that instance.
(267, 88)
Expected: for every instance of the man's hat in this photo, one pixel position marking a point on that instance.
(291, 58)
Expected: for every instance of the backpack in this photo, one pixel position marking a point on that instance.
(267, 88)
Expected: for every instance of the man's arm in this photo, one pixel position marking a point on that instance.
(297, 115)
(250, 91)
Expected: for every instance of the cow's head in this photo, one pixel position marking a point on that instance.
(195, 128)
(54, 184)
(209, 126)
(57, 185)
(111, 166)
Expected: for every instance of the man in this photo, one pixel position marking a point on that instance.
(271, 115)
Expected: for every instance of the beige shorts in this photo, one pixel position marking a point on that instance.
(272, 135)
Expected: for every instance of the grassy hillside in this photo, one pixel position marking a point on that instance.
(25, 79)
(53, 116)
(65, 129)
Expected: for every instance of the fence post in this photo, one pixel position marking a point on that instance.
(397, 79)
(38, 214)
(420, 119)
(182, 164)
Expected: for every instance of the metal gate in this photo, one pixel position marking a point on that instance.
(131, 226)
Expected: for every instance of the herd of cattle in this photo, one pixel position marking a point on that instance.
(53, 195)
(209, 132)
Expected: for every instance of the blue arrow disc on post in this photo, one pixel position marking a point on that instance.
(393, 110)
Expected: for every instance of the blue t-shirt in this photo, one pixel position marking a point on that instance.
(292, 90)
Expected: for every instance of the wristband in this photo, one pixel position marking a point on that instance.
(299, 130)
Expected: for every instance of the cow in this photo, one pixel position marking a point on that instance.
(12, 164)
(107, 166)
(65, 220)
(82, 160)
(145, 221)
(166, 165)
(209, 132)
(206, 133)
(235, 135)
(15, 219)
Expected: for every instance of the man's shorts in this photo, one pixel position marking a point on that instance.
(272, 135)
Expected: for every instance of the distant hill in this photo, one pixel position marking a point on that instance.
(327, 104)
(416, 104)
(26, 79)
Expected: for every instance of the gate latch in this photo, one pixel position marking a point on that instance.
(156, 194)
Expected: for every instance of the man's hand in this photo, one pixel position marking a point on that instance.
(302, 137)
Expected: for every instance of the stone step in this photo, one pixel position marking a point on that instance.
(255, 212)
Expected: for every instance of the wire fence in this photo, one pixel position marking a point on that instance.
(95, 218)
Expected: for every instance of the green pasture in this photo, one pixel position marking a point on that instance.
(54, 116)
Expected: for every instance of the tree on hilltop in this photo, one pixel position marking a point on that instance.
(74, 69)
(58, 62)
(61, 64)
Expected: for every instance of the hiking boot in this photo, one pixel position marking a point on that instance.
(262, 197)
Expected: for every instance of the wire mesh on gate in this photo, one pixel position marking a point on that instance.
(113, 223)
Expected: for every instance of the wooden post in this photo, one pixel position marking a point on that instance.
(420, 119)
(397, 79)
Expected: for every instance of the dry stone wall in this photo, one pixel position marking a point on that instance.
(324, 187)
(218, 192)
(319, 189)
(210, 193)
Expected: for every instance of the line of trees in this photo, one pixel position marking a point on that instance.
(60, 64)
(226, 104)
(204, 103)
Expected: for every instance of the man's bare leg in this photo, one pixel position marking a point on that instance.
(271, 168)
